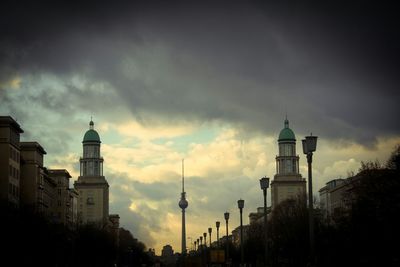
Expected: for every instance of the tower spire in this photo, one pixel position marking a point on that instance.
(286, 121)
(183, 175)
(91, 123)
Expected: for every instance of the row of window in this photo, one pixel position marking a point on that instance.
(287, 150)
(91, 151)
(91, 168)
(13, 190)
(288, 166)
(14, 154)
(14, 172)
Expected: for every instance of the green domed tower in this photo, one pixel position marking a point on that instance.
(92, 186)
(287, 182)
(91, 162)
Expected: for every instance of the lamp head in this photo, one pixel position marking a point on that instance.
(264, 183)
(226, 215)
(305, 149)
(309, 144)
(240, 203)
(209, 230)
(217, 224)
(205, 235)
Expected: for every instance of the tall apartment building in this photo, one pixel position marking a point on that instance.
(288, 182)
(73, 207)
(33, 176)
(49, 196)
(10, 161)
(65, 209)
(26, 183)
(337, 195)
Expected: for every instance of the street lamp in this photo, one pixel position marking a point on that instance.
(217, 225)
(240, 206)
(309, 146)
(205, 239)
(195, 242)
(264, 184)
(226, 216)
(209, 233)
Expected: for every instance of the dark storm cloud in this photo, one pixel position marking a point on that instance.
(51, 109)
(332, 66)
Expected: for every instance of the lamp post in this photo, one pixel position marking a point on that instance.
(309, 146)
(209, 233)
(226, 216)
(240, 206)
(201, 249)
(195, 242)
(264, 184)
(205, 239)
(217, 225)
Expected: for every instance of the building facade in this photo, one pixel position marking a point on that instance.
(10, 161)
(92, 187)
(65, 197)
(49, 196)
(33, 176)
(336, 196)
(288, 182)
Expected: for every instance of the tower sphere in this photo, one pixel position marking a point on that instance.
(183, 204)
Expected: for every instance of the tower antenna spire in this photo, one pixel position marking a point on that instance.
(183, 175)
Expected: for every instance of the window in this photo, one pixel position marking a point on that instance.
(96, 168)
(294, 170)
(90, 201)
(288, 166)
(97, 152)
(90, 168)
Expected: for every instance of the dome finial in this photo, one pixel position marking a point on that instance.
(286, 122)
(91, 123)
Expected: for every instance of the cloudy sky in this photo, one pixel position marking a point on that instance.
(207, 82)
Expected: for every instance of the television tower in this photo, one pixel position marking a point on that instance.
(183, 204)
